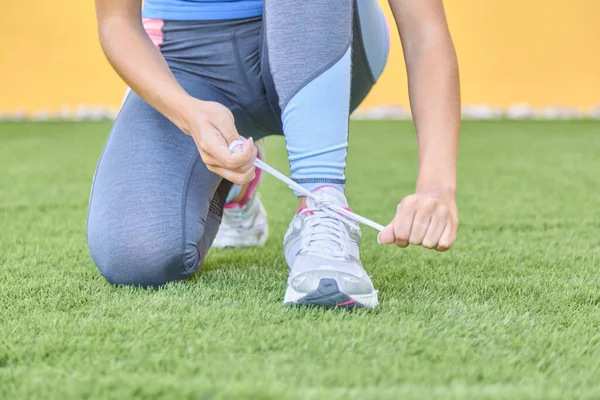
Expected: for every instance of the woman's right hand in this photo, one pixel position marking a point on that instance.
(127, 46)
(212, 126)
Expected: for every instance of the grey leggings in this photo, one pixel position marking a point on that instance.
(155, 208)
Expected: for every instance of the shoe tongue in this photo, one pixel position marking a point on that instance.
(327, 194)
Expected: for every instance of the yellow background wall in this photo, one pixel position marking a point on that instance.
(543, 52)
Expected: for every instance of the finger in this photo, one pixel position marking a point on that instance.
(448, 237)
(244, 159)
(212, 141)
(225, 124)
(235, 177)
(386, 236)
(419, 226)
(213, 157)
(434, 231)
(208, 159)
(242, 178)
(247, 145)
(212, 162)
(230, 176)
(244, 168)
(216, 146)
(244, 146)
(236, 146)
(403, 223)
(249, 175)
(253, 148)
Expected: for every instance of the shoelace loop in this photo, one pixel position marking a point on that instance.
(325, 233)
(328, 208)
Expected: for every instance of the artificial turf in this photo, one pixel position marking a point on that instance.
(512, 311)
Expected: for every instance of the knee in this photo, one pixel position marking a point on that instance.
(142, 260)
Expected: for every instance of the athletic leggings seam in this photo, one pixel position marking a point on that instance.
(238, 60)
(272, 90)
(186, 187)
(319, 72)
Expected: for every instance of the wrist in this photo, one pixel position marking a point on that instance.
(444, 187)
(437, 175)
(181, 112)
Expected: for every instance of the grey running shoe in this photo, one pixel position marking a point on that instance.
(323, 254)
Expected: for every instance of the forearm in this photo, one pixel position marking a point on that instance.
(434, 90)
(435, 103)
(141, 65)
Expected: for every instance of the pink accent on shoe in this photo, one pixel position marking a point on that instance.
(252, 188)
(154, 29)
(249, 192)
(346, 303)
(305, 210)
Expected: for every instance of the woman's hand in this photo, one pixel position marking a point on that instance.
(426, 218)
(212, 126)
(127, 46)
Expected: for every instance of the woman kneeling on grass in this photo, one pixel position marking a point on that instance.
(205, 71)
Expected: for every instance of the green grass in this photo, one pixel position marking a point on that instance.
(512, 311)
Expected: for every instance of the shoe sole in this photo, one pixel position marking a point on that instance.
(328, 295)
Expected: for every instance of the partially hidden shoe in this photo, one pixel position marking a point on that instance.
(322, 252)
(244, 223)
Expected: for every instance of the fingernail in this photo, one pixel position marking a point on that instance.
(379, 240)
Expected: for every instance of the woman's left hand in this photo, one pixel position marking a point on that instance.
(426, 218)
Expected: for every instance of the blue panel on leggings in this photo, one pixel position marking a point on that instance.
(315, 122)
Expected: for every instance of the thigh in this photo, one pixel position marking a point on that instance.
(151, 197)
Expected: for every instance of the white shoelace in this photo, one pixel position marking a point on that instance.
(325, 233)
(328, 208)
